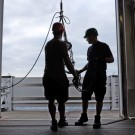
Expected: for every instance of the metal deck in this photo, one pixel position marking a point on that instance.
(38, 123)
(41, 127)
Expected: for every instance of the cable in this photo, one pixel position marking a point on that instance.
(63, 19)
(37, 57)
(69, 45)
(115, 121)
(108, 123)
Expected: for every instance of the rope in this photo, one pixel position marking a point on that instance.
(69, 45)
(37, 57)
(93, 76)
(63, 19)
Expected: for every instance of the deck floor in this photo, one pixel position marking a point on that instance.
(26, 123)
(35, 127)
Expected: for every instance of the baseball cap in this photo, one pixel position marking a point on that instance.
(91, 31)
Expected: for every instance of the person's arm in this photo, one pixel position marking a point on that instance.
(86, 66)
(83, 69)
(68, 61)
(109, 56)
(109, 59)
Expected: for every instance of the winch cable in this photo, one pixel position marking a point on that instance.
(63, 19)
(69, 46)
(7, 87)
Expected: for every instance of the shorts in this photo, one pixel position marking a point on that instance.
(56, 89)
(97, 86)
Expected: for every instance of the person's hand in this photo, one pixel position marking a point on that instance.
(76, 76)
(76, 79)
(78, 72)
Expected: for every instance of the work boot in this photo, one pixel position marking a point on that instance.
(62, 123)
(54, 126)
(83, 118)
(97, 123)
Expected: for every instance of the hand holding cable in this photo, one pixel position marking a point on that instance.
(77, 81)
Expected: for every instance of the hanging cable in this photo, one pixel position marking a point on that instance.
(63, 19)
(69, 46)
(37, 57)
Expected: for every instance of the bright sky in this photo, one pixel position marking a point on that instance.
(26, 23)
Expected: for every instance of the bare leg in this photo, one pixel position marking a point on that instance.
(62, 122)
(97, 122)
(52, 109)
(84, 117)
(84, 106)
(61, 108)
(99, 106)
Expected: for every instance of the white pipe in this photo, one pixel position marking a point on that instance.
(1, 36)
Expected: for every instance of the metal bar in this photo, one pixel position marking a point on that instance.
(134, 24)
(1, 36)
(121, 56)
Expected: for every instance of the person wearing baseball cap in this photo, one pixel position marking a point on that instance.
(98, 55)
(91, 31)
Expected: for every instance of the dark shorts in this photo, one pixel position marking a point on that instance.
(96, 86)
(56, 89)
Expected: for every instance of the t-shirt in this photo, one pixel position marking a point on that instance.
(54, 62)
(98, 50)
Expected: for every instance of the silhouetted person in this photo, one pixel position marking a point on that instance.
(55, 81)
(98, 55)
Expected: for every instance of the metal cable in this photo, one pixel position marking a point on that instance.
(37, 57)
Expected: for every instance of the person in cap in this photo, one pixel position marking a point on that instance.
(55, 81)
(98, 55)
